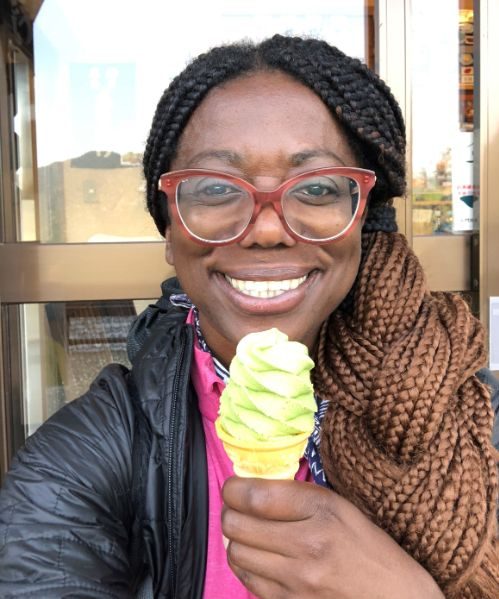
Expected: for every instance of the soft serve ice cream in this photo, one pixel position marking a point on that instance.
(267, 408)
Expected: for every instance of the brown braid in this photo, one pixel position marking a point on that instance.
(407, 433)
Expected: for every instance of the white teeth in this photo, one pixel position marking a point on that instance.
(264, 289)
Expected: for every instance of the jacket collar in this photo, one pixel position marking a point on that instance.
(147, 322)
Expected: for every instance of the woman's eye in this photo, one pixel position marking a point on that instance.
(317, 190)
(217, 189)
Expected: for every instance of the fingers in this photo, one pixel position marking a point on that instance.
(305, 536)
(268, 535)
(296, 540)
(257, 569)
(285, 501)
(260, 587)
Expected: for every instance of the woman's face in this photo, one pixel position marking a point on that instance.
(265, 128)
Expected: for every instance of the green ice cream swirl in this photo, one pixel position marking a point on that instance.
(269, 395)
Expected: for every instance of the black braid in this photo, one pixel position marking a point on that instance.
(360, 101)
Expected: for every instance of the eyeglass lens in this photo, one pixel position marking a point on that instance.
(316, 208)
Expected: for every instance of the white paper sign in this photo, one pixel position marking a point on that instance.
(464, 192)
(494, 333)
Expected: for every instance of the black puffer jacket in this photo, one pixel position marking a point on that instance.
(114, 485)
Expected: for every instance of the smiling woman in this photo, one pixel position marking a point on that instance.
(268, 252)
(270, 171)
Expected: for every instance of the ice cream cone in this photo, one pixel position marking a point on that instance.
(277, 459)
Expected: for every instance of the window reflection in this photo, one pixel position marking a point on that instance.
(65, 347)
(101, 67)
(443, 191)
(23, 144)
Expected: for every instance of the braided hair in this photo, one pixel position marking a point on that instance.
(407, 432)
(358, 99)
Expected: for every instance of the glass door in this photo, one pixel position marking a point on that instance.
(445, 187)
(452, 113)
(79, 255)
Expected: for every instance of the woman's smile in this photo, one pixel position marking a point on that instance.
(267, 296)
(265, 289)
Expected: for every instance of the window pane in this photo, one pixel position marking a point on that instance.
(65, 345)
(100, 69)
(22, 109)
(444, 193)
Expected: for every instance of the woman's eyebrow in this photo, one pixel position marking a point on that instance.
(299, 158)
(235, 159)
(228, 156)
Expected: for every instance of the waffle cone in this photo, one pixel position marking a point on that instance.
(277, 459)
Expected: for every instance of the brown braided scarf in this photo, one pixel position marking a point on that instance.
(407, 433)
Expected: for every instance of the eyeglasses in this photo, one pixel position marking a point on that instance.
(315, 207)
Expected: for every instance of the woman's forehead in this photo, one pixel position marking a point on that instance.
(266, 112)
(257, 93)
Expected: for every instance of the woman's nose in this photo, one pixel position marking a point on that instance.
(267, 231)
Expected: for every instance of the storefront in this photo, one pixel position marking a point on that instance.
(79, 255)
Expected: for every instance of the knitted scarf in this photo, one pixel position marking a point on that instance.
(407, 433)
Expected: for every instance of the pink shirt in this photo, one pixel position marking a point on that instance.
(208, 387)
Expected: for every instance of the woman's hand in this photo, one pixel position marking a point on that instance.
(290, 539)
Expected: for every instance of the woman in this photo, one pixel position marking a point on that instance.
(126, 484)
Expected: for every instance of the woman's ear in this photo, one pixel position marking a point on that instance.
(168, 246)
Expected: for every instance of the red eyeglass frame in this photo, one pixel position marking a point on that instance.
(169, 182)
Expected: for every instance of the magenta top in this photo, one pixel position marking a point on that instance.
(208, 388)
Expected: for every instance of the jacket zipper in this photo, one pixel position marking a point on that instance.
(171, 445)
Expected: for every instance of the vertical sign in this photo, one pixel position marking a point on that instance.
(464, 191)
(494, 333)
(466, 69)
